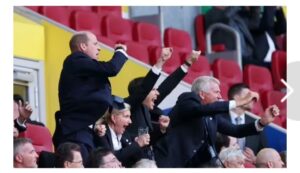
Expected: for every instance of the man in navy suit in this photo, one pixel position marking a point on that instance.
(191, 138)
(84, 90)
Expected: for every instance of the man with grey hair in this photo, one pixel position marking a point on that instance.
(232, 158)
(268, 158)
(190, 142)
(84, 90)
(25, 155)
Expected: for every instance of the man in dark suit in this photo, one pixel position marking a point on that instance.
(84, 90)
(194, 124)
(239, 116)
(126, 147)
(143, 98)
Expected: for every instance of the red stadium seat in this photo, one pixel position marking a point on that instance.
(40, 136)
(147, 33)
(258, 78)
(79, 8)
(279, 68)
(178, 39)
(257, 108)
(59, 14)
(34, 8)
(281, 42)
(109, 10)
(84, 20)
(138, 51)
(274, 98)
(116, 28)
(200, 68)
(224, 90)
(227, 71)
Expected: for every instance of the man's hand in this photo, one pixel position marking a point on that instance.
(270, 114)
(250, 156)
(25, 111)
(165, 55)
(123, 46)
(100, 129)
(193, 57)
(143, 140)
(251, 96)
(164, 122)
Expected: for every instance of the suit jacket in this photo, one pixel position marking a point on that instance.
(130, 152)
(84, 89)
(255, 142)
(193, 127)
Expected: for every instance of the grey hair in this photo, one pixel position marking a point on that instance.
(145, 163)
(203, 83)
(230, 154)
(18, 142)
(107, 116)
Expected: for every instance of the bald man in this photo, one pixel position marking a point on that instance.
(268, 158)
(85, 90)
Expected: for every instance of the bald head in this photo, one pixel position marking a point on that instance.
(268, 158)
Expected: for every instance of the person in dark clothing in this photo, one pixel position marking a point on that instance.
(84, 90)
(194, 123)
(143, 98)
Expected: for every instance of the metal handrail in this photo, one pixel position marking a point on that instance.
(229, 29)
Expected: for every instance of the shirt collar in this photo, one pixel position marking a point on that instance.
(234, 115)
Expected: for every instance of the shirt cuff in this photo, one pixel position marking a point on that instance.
(184, 69)
(258, 127)
(21, 124)
(232, 104)
(156, 70)
(121, 50)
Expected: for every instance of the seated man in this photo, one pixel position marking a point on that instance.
(232, 158)
(103, 158)
(268, 158)
(68, 155)
(126, 148)
(24, 154)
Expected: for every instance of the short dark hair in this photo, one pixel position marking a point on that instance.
(76, 39)
(221, 141)
(18, 97)
(95, 159)
(64, 153)
(236, 89)
(135, 85)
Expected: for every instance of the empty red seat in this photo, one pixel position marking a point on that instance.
(274, 98)
(224, 90)
(85, 20)
(178, 39)
(59, 14)
(79, 8)
(227, 71)
(147, 33)
(109, 10)
(258, 78)
(257, 108)
(138, 51)
(116, 28)
(40, 136)
(278, 68)
(199, 68)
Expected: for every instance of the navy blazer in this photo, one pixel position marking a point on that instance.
(85, 90)
(130, 152)
(187, 134)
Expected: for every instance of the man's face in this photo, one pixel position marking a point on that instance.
(92, 47)
(212, 95)
(277, 162)
(110, 161)
(121, 121)
(29, 156)
(77, 160)
(151, 97)
(16, 111)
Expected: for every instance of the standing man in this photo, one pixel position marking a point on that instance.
(84, 90)
(192, 135)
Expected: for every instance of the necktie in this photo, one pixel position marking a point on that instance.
(241, 141)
